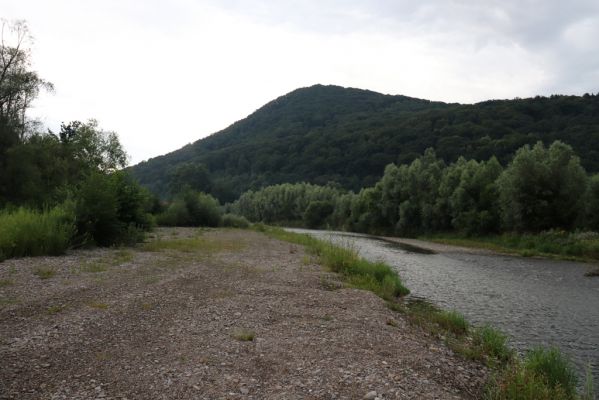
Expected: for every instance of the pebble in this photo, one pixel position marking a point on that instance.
(370, 395)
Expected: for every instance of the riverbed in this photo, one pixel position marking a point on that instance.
(535, 301)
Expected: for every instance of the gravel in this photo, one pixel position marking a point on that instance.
(162, 325)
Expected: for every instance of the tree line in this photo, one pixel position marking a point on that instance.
(324, 134)
(68, 184)
(541, 188)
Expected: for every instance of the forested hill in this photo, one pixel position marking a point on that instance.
(323, 134)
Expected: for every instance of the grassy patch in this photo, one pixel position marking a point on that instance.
(44, 272)
(583, 246)
(543, 374)
(25, 232)
(244, 335)
(98, 305)
(376, 277)
(197, 244)
(6, 301)
(94, 267)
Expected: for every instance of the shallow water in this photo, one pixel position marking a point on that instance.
(534, 301)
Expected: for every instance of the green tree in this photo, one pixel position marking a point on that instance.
(19, 85)
(192, 176)
(591, 219)
(542, 188)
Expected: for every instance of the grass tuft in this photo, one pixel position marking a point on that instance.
(44, 272)
(244, 335)
(98, 305)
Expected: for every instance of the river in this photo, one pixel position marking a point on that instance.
(535, 301)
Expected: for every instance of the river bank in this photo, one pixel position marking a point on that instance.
(559, 245)
(226, 314)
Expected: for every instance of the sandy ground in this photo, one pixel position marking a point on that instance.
(138, 324)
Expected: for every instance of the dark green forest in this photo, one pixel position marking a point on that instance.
(329, 134)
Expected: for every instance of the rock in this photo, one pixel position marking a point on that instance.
(244, 390)
(370, 395)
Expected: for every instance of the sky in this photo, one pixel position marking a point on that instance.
(166, 73)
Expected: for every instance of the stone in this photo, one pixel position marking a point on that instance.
(370, 395)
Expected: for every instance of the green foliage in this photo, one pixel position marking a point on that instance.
(542, 188)
(192, 209)
(554, 367)
(317, 213)
(234, 221)
(190, 176)
(493, 343)
(566, 245)
(327, 133)
(283, 203)
(452, 321)
(376, 277)
(26, 232)
(110, 209)
(591, 219)
(544, 374)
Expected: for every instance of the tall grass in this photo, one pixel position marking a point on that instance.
(26, 232)
(544, 374)
(376, 277)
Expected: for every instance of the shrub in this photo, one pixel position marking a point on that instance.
(234, 221)
(25, 232)
(110, 210)
(192, 209)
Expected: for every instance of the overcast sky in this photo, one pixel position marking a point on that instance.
(166, 73)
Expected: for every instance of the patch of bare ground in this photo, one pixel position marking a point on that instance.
(229, 314)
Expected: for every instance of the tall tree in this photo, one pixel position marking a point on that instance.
(19, 85)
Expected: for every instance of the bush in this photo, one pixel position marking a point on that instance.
(110, 210)
(32, 233)
(234, 221)
(192, 209)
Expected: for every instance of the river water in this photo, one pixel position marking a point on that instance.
(534, 301)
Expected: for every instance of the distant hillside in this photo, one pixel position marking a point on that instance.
(324, 134)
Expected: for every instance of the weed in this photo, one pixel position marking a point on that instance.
(451, 321)
(244, 335)
(98, 305)
(6, 301)
(94, 267)
(392, 322)
(588, 390)
(554, 367)
(55, 309)
(44, 272)
(329, 284)
(327, 317)
(31, 233)
(5, 282)
(493, 343)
